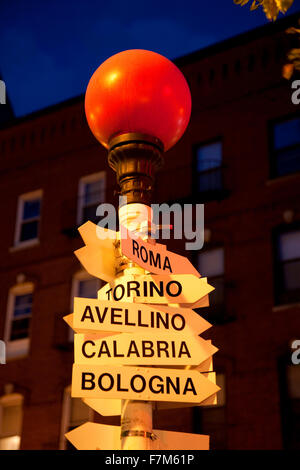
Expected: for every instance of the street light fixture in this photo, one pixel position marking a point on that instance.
(138, 105)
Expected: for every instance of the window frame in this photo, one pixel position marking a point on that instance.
(15, 349)
(272, 151)
(215, 312)
(91, 178)
(277, 264)
(11, 399)
(66, 415)
(213, 193)
(38, 194)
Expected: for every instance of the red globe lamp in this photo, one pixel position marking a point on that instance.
(138, 105)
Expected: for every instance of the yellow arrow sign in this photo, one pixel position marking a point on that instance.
(98, 256)
(142, 348)
(112, 407)
(111, 316)
(140, 383)
(94, 436)
(154, 257)
(177, 289)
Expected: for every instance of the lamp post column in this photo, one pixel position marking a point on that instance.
(135, 158)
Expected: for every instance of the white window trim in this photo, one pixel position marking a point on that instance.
(82, 182)
(19, 347)
(38, 194)
(65, 417)
(77, 277)
(12, 399)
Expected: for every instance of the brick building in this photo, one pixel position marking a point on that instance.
(240, 156)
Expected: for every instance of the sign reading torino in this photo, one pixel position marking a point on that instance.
(154, 258)
(142, 348)
(103, 315)
(179, 288)
(140, 383)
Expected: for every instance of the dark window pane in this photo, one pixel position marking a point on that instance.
(89, 288)
(209, 156)
(20, 329)
(291, 275)
(31, 209)
(216, 297)
(89, 213)
(288, 161)
(210, 180)
(287, 133)
(23, 305)
(29, 231)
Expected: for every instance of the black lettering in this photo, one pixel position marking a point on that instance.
(189, 387)
(167, 265)
(159, 387)
(135, 247)
(88, 314)
(114, 315)
(133, 385)
(101, 318)
(111, 382)
(148, 346)
(133, 285)
(159, 290)
(161, 320)
(104, 349)
(145, 257)
(181, 322)
(162, 346)
(122, 292)
(184, 350)
(176, 387)
(133, 349)
(179, 288)
(153, 261)
(84, 381)
(84, 351)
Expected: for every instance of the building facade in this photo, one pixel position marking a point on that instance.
(240, 156)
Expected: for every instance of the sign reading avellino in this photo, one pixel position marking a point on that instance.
(154, 257)
(140, 383)
(177, 289)
(97, 315)
(142, 348)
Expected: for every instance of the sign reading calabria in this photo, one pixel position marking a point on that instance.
(154, 257)
(142, 348)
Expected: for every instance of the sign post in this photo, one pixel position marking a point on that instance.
(137, 345)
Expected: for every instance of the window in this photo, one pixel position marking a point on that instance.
(287, 273)
(83, 285)
(211, 419)
(91, 194)
(10, 421)
(289, 386)
(209, 167)
(74, 413)
(211, 265)
(286, 147)
(28, 218)
(19, 312)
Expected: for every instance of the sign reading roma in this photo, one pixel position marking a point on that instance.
(154, 257)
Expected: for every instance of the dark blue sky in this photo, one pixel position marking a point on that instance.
(49, 49)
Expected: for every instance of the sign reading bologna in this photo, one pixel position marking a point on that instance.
(140, 383)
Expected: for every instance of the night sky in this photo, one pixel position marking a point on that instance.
(49, 49)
